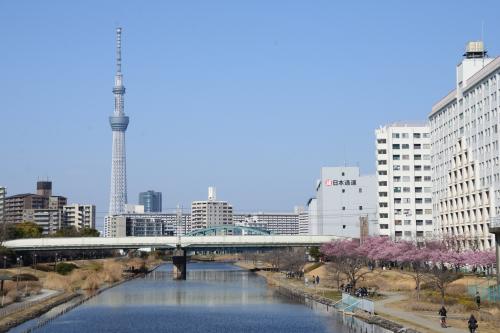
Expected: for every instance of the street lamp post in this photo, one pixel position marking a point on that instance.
(55, 262)
(34, 261)
(19, 260)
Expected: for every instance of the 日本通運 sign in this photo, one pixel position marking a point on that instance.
(336, 182)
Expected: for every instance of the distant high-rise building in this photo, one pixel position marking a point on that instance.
(147, 224)
(210, 213)
(51, 220)
(79, 216)
(3, 193)
(43, 208)
(404, 181)
(151, 201)
(119, 123)
(276, 223)
(16, 204)
(44, 188)
(312, 217)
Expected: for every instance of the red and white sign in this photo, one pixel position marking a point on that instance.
(335, 182)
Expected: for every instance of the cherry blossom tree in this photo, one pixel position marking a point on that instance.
(416, 258)
(475, 259)
(440, 256)
(348, 258)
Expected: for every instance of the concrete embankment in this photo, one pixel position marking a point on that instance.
(359, 321)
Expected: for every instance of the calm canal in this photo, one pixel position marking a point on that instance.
(215, 298)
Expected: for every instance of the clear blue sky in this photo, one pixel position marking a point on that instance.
(250, 96)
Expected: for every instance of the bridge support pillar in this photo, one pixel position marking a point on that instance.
(179, 260)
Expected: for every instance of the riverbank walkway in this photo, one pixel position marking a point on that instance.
(28, 301)
(431, 323)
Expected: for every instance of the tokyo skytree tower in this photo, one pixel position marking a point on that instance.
(119, 123)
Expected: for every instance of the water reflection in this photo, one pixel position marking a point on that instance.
(214, 298)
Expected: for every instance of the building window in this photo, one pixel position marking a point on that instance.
(343, 174)
(343, 207)
(360, 190)
(384, 226)
(360, 207)
(343, 190)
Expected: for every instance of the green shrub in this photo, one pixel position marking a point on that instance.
(468, 304)
(65, 268)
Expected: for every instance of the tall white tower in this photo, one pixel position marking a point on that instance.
(119, 123)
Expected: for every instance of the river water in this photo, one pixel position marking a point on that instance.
(216, 297)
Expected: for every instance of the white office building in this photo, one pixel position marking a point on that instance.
(404, 178)
(210, 213)
(79, 216)
(465, 152)
(343, 195)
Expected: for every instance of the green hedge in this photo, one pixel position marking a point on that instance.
(64, 268)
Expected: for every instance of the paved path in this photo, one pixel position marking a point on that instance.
(429, 322)
(44, 294)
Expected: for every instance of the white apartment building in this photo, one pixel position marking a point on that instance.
(312, 217)
(51, 220)
(404, 179)
(304, 223)
(209, 213)
(276, 223)
(465, 152)
(147, 224)
(343, 195)
(79, 216)
(3, 194)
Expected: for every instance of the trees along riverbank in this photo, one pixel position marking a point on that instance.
(429, 275)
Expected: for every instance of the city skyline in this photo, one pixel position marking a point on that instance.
(291, 118)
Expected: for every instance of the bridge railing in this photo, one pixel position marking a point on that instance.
(14, 307)
(351, 303)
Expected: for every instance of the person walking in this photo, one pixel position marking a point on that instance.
(314, 279)
(442, 313)
(472, 323)
(317, 279)
(478, 300)
(306, 281)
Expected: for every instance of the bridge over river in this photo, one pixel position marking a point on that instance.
(180, 244)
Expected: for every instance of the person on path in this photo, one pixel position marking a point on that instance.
(306, 281)
(317, 279)
(314, 280)
(478, 300)
(442, 313)
(472, 323)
